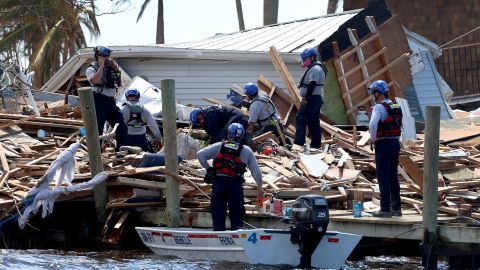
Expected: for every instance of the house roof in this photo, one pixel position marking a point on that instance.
(423, 42)
(287, 37)
(83, 56)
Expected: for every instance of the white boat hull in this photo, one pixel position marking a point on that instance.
(270, 246)
(193, 244)
(255, 246)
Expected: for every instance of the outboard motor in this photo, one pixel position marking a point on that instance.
(310, 218)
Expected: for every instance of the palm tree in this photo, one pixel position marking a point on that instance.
(160, 38)
(332, 6)
(47, 32)
(270, 12)
(241, 23)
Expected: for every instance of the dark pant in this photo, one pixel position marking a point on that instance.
(107, 110)
(386, 161)
(309, 116)
(227, 191)
(274, 130)
(140, 141)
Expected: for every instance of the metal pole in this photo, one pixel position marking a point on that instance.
(89, 116)
(170, 149)
(430, 187)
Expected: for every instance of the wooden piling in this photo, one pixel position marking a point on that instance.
(430, 187)
(170, 149)
(89, 116)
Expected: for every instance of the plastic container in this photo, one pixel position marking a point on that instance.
(357, 209)
(267, 207)
(278, 206)
(41, 134)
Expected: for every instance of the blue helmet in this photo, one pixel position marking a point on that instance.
(250, 89)
(308, 52)
(193, 116)
(102, 51)
(235, 131)
(379, 86)
(132, 92)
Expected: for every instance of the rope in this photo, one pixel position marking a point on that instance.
(459, 37)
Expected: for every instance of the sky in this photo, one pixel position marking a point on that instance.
(189, 20)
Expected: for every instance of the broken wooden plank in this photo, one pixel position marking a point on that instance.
(285, 75)
(3, 159)
(264, 137)
(412, 170)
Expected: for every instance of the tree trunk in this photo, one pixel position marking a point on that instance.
(160, 24)
(270, 12)
(332, 6)
(241, 23)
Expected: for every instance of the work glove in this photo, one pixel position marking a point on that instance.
(303, 103)
(158, 144)
(209, 176)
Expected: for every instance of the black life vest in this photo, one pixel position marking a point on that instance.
(392, 125)
(302, 84)
(227, 161)
(110, 78)
(135, 118)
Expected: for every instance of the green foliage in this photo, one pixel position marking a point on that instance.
(46, 32)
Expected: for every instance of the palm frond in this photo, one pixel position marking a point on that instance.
(15, 36)
(142, 9)
(45, 43)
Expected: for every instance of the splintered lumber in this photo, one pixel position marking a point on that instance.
(412, 170)
(4, 178)
(17, 121)
(278, 168)
(443, 209)
(3, 159)
(365, 138)
(127, 181)
(50, 120)
(285, 75)
(264, 137)
(458, 186)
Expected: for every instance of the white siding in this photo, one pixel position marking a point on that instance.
(427, 88)
(195, 79)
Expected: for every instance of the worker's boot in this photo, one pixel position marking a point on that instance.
(382, 214)
(397, 213)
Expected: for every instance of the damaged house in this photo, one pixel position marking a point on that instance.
(357, 46)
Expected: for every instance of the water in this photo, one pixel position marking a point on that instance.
(140, 260)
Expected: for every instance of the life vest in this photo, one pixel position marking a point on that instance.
(227, 161)
(391, 126)
(302, 84)
(265, 98)
(135, 118)
(110, 78)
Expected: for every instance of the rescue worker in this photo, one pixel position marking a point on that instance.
(105, 78)
(137, 117)
(385, 128)
(230, 160)
(216, 119)
(311, 91)
(262, 112)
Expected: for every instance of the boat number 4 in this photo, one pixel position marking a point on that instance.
(252, 238)
(147, 237)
